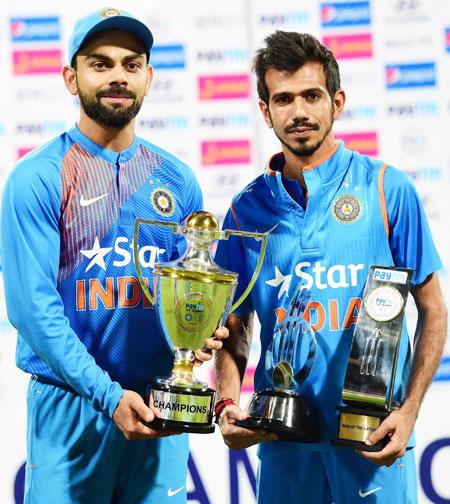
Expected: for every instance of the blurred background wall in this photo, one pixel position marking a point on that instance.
(395, 68)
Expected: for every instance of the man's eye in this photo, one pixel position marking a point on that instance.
(133, 66)
(313, 97)
(98, 65)
(282, 100)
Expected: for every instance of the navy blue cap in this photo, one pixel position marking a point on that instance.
(108, 18)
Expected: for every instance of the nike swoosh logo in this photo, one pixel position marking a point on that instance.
(365, 494)
(87, 202)
(171, 493)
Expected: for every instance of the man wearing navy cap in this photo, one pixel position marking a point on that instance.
(86, 333)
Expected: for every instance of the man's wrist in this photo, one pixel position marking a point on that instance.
(220, 406)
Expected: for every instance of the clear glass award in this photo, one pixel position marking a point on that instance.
(288, 361)
(369, 380)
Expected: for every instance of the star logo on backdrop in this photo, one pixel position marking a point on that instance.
(282, 280)
(97, 254)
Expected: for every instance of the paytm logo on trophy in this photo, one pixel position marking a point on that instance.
(192, 296)
(288, 361)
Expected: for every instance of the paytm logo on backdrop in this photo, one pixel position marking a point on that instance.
(410, 75)
(345, 14)
(364, 143)
(285, 18)
(224, 87)
(414, 109)
(350, 46)
(37, 62)
(222, 55)
(35, 29)
(220, 152)
(168, 57)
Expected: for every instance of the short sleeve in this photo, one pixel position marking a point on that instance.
(410, 237)
(230, 255)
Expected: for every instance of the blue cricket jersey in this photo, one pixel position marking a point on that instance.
(357, 212)
(71, 288)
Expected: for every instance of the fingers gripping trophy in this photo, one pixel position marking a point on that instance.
(192, 296)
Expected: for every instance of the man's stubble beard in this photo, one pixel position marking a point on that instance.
(305, 151)
(108, 116)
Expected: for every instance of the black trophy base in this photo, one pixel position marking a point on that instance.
(182, 409)
(160, 424)
(356, 425)
(285, 413)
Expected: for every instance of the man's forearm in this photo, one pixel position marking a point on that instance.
(429, 341)
(231, 361)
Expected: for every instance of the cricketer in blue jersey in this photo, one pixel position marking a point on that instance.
(333, 214)
(85, 331)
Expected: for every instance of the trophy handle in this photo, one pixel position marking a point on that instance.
(137, 264)
(248, 234)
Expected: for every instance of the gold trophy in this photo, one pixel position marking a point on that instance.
(192, 297)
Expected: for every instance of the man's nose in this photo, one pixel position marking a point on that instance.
(118, 76)
(299, 109)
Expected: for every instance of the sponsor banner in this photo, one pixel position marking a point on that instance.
(219, 152)
(35, 29)
(168, 57)
(443, 372)
(222, 55)
(218, 121)
(364, 143)
(359, 112)
(447, 39)
(410, 75)
(350, 46)
(345, 14)
(21, 151)
(426, 108)
(37, 62)
(163, 123)
(224, 87)
(248, 381)
(284, 18)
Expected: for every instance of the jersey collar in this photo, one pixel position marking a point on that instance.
(97, 150)
(318, 174)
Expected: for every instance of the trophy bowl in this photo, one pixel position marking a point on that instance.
(192, 297)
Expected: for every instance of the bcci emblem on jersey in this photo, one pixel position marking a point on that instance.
(163, 202)
(347, 208)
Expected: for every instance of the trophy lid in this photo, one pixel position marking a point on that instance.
(203, 221)
(197, 264)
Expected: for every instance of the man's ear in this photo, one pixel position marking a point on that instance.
(70, 80)
(265, 112)
(150, 75)
(338, 104)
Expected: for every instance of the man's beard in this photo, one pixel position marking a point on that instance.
(301, 149)
(108, 115)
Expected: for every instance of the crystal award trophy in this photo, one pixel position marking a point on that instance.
(192, 297)
(370, 376)
(288, 362)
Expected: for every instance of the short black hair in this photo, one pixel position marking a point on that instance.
(289, 51)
